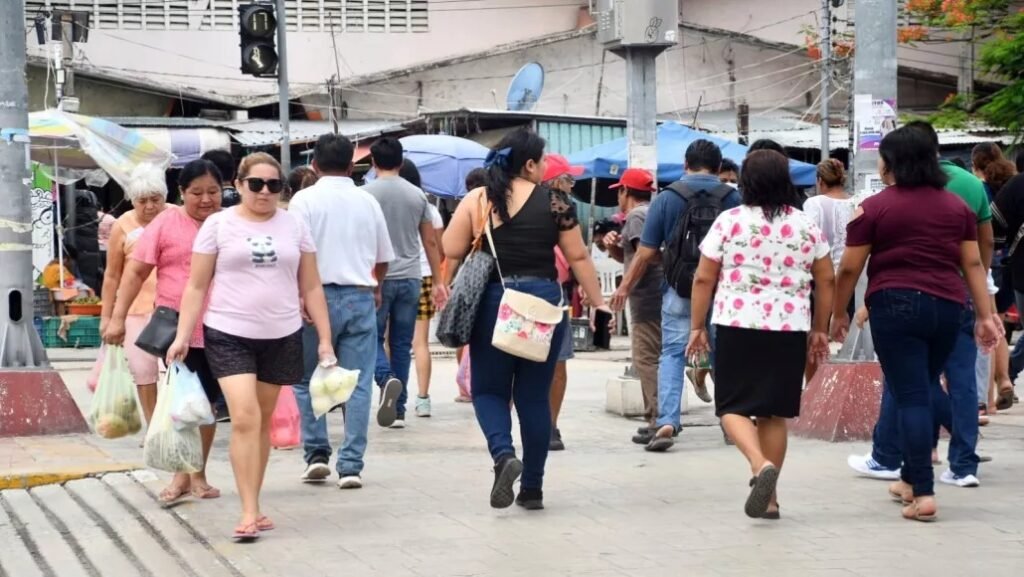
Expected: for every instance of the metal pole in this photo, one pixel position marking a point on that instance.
(282, 86)
(874, 75)
(67, 35)
(826, 72)
(20, 346)
(642, 108)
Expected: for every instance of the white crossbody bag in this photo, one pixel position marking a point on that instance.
(526, 323)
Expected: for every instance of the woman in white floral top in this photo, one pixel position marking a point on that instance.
(758, 261)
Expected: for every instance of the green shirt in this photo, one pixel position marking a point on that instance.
(969, 188)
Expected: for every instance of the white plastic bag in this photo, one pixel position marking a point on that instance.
(191, 408)
(167, 448)
(331, 386)
(114, 411)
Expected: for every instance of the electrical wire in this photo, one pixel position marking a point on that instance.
(747, 93)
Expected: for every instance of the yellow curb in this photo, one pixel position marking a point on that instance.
(60, 476)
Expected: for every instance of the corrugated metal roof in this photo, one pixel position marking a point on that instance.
(252, 133)
(165, 122)
(568, 137)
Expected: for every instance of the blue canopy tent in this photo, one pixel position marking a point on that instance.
(608, 160)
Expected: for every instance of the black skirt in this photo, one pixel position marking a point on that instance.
(759, 373)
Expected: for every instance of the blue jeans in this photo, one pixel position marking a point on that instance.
(500, 378)
(675, 335)
(1017, 356)
(352, 312)
(956, 411)
(397, 318)
(914, 335)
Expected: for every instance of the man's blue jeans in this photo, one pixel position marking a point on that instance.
(675, 335)
(1017, 356)
(914, 334)
(955, 411)
(352, 311)
(397, 318)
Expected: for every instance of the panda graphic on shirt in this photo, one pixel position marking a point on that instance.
(262, 252)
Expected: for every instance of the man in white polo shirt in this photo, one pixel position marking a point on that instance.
(353, 252)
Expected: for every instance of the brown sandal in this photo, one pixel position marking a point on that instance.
(207, 492)
(901, 497)
(172, 496)
(913, 512)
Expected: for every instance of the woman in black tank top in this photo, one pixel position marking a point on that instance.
(527, 222)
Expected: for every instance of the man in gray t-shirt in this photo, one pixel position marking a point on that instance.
(409, 224)
(635, 189)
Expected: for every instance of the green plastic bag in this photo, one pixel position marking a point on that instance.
(114, 411)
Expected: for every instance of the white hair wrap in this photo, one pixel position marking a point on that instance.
(146, 180)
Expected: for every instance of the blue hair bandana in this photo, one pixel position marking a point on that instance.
(499, 158)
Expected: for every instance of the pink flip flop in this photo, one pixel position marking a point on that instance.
(263, 523)
(246, 533)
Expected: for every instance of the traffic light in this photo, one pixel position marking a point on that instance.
(257, 26)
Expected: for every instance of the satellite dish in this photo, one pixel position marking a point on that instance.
(525, 88)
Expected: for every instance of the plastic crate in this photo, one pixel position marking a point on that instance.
(84, 333)
(582, 336)
(42, 302)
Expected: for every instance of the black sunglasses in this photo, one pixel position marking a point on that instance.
(274, 185)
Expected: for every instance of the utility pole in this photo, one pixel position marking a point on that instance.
(282, 87)
(826, 72)
(874, 79)
(639, 34)
(21, 347)
(743, 123)
(67, 35)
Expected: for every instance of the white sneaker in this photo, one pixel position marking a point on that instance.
(316, 473)
(398, 424)
(951, 478)
(422, 406)
(350, 482)
(868, 467)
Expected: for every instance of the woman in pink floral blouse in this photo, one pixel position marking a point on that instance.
(758, 261)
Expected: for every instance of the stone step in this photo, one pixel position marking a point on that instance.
(157, 555)
(55, 549)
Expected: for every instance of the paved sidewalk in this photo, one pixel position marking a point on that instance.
(612, 509)
(32, 461)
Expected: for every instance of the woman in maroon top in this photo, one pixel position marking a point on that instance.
(920, 238)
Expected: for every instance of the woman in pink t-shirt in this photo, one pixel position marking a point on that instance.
(166, 247)
(264, 260)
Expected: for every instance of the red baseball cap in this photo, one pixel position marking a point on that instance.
(636, 179)
(559, 165)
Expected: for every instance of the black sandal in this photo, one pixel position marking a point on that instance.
(762, 489)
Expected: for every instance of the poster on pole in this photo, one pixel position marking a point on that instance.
(874, 118)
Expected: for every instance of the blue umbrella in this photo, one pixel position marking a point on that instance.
(444, 161)
(608, 160)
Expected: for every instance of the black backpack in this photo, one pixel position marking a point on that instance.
(682, 251)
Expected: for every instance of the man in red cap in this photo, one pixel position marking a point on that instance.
(635, 188)
(560, 175)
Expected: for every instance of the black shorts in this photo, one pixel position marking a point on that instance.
(274, 361)
(196, 362)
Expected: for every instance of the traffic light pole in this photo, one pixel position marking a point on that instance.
(282, 87)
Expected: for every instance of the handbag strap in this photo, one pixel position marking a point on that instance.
(494, 249)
